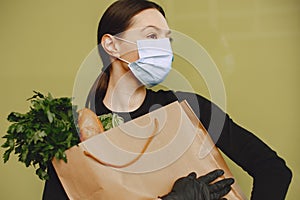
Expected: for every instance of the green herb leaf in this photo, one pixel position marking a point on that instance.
(44, 132)
(110, 120)
(50, 116)
(6, 155)
(15, 117)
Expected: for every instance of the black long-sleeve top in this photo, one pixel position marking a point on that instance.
(271, 176)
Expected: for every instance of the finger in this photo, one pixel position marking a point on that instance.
(219, 194)
(192, 175)
(211, 176)
(218, 186)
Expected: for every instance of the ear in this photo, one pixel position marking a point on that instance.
(110, 45)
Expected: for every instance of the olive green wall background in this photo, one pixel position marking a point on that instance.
(255, 44)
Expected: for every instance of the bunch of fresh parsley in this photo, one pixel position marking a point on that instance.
(43, 133)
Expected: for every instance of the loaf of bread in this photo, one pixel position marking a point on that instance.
(89, 124)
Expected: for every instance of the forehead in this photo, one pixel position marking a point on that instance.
(149, 17)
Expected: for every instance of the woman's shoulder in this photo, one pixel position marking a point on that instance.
(191, 96)
(195, 100)
(162, 97)
(180, 95)
(160, 94)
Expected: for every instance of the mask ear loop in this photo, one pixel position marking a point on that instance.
(123, 60)
(124, 40)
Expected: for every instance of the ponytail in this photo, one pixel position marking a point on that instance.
(98, 90)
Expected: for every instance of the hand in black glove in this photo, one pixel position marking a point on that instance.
(218, 189)
(192, 188)
(187, 188)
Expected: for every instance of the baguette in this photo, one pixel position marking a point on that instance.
(89, 124)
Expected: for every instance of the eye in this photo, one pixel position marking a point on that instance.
(152, 36)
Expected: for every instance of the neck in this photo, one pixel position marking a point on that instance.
(124, 93)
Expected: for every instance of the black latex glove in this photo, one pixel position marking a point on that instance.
(188, 188)
(218, 189)
(192, 188)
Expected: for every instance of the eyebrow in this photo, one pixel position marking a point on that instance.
(155, 27)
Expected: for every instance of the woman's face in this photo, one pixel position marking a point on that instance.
(148, 24)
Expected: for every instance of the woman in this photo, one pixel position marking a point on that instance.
(130, 24)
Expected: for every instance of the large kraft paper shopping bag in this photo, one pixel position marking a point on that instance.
(141, 159)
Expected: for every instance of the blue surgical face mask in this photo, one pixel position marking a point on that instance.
(154, 63)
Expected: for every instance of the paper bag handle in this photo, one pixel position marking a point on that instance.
(149, 140)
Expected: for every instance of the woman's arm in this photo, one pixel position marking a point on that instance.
(270, 174)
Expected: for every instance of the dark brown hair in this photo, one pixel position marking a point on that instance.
(116, 19)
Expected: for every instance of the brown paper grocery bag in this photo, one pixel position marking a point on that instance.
(141, 159)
